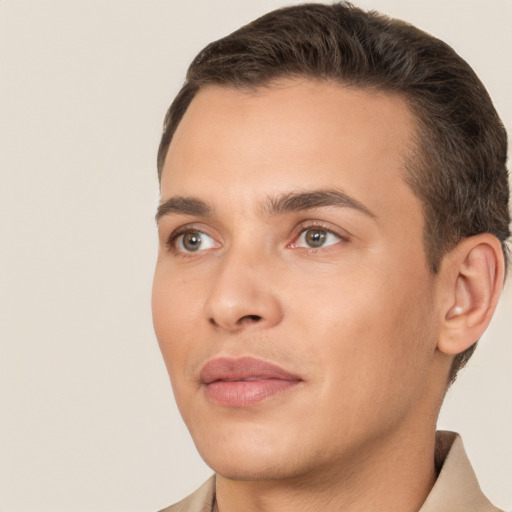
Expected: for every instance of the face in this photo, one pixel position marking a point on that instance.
(292, 299)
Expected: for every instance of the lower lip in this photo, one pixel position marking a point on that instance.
(244, 393)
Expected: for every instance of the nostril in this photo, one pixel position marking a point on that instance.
(234, 322)
(249, 319)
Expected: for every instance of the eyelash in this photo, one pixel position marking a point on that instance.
(175, 235)
(301, 229)
(316, 225)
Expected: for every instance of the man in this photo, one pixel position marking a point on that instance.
(333, 226)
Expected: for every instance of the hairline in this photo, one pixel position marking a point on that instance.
(279, 80)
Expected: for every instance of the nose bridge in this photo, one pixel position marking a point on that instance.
(241, 292)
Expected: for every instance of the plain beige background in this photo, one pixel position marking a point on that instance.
(87, 419)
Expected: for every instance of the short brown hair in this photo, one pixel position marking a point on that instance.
(459, 168)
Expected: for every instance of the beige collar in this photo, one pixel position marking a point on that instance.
(456, 488)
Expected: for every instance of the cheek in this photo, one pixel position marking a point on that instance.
(368, 325)
(176, 324)
(175, 313)
(394, 341)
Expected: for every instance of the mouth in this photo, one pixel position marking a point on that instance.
(245, 381)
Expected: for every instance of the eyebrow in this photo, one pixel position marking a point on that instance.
(184, 206)
(297, 201)
(291, 202)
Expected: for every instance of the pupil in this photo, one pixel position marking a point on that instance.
(315, 237)
(192, 241)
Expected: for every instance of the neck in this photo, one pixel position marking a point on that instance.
(395, 475)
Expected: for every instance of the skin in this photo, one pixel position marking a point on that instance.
(359, 320)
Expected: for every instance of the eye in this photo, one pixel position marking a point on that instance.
(193, 241)
(316, 238)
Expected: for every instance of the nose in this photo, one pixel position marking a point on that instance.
(243, 294)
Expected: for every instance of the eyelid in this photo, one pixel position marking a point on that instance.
(342, 234)
(183, 230)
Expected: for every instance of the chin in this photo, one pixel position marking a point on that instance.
(249, 458)
(252, 470)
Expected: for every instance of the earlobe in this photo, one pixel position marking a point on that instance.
(475, 280)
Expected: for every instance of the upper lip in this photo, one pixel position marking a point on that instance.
(242, 368)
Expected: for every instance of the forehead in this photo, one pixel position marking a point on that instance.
(301, 134)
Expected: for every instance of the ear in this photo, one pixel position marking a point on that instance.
(472, 279)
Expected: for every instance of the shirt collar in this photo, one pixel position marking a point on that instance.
(456, 488)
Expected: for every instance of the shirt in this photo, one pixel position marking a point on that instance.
(456, 488)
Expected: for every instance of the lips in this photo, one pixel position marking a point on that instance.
(242, 382)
